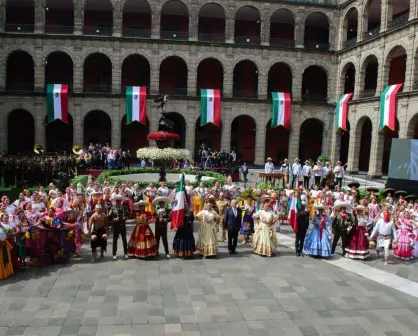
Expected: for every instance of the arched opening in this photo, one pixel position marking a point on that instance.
(245, 80)
(349, 78)
(135, 72)
(412, 130)
(174, 21)
(133, 136)
(20, 16)
(98, 18)
(372, 19)
(317, 31)
(179, 128)
(314, 84)
(277, 142)
(136, 19)
(20, 132)
(247, 25)
(59, 69)
(370, 70)
(387, 145)
(97, 73)
(59, 135)
(398, 13)
(350, 27)
(243, 133)
(282, 28)
(20, 71)
(173, 76)
(365, 127)
(211, 26)
(210, 75)
(396, 62)
(97, 128)
(310, 142)
(209, 134)
(279, 79)
(344, 143)
(59, 17)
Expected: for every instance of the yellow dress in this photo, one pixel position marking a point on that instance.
(149, 198)
(197, 204)
(207, 244)
(5, 270)
(311, 207)
(265, 239)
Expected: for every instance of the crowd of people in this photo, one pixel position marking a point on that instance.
(208, 158)
(104, 157)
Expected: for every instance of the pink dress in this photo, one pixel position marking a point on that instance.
(374, 210)
(406, 240)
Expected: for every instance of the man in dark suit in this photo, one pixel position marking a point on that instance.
(303, 225)
(233, 218)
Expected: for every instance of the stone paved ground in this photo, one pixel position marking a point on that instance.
(241, 295)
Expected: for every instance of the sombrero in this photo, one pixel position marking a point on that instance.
(354, 185)
(411, 197)
(266, 199)
(360, 208)
(96, 193)
(141, 203)
(269, 159)
(342, 205)
(161, 199)
(372, 189)
(319, 207)
(401, 193)
(387, 191)
(69, 209)
(119, 198)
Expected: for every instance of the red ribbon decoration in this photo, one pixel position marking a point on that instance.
(321, 229)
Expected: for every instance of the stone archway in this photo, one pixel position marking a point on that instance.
(20, 132)
(364, 128)
(310, 142)
(97, 128)
(243, 134)
(277, 143)
(179, 128)
(59, 135)
(344, 143)
(133, 136)
(209, 135)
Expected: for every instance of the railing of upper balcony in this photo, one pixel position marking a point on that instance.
(205, 37)
(399, 21)
(59, 30)
(98, 88)
(270, 92)
(368, 93)
(136, 33)
(19, 28)
(245, 94)
(316, 45)
(174, 35)
(98, 31)
(317, 2)
(350, 42)
(174, 91)
(247, 40)
(314, 97)
(371, 33)
(280, 42)
(19, 87)
(123, 87)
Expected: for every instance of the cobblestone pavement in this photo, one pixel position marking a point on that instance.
(241, 295)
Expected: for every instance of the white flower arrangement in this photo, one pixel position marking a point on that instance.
(168, 154)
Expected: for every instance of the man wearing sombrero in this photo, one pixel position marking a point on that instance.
(296, 172)
(340, 226)
(162, 217)
(269, 168)
(119, 214)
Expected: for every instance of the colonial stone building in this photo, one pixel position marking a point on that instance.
(314, 49)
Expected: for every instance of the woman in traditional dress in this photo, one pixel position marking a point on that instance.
(6, 267)
(184, 244)
(10, 227)
(358, 244)
(23, 226)
(265, 239)
(283, 206)
(199, 197)
(150, 193)
(53, 193)
(406, 238)
(209, 220)
(20, 202)
(318, 241)
(75, 237)
(142, 243)
(373, 210)
(247, 227)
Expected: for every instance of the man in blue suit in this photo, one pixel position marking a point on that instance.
(233, 219)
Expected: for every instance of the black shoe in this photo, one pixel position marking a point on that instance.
(297, 254)
(234, 252)
(302, 254)
(230, 252)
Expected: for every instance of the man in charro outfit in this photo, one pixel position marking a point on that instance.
(119, 214)
(163, 216)
(98, 229)
(221, 204)
(341, 223)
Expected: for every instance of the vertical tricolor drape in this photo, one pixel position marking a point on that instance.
(57, 101)
(136, 104)
(281, 109)
(210, 106)
(387, 116)
(341, 112)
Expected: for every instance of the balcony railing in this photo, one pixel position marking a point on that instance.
(316, 45)
(100, 88)
(59, 30)
(280, 42)
(399, 21)
(245, 94)
(174, 35)
(204, 37)
(70, 85)
(415, 85)
(371, 33)
(319, 98)
(350, 42)
(98, 31)
(19, 87)
(247, 40)
(174, 91)
(136, 33)
(123, 87)
(270, 92)
(368, 93)
(20, 28)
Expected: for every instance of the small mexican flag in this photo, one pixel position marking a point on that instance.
(388, 107)
(281, 109)
(210, 106)
(341, 113)
(177, 213)
(57, 101)
(136, 104)
(295, 207)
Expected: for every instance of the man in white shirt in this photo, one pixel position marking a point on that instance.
(269, 168)
(339, 173)
(306, 171)
(163, 190)
(325, 170)
(143, 163)
(296, 171)
(284, 169)
(317, 169)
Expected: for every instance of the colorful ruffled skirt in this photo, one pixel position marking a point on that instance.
(405, 244)
(358, 244)
(142, 243)
(184, 243)
(6, 267)
(318, 246)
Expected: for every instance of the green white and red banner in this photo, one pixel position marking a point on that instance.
(281, 109)
(341, 112)
(210, 106)
(387, 116)
(177, 213)
(136, 104)
(57, 102)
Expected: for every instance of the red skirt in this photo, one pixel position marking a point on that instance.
(142, 243)
(358, 245)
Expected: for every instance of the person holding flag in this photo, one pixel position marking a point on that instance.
(295, 207)
(184, 243)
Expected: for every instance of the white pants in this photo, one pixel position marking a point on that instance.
(385, 244)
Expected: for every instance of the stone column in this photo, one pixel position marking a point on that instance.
(413, 9)
(190, 128)
(78, 18)
(386, 15)
(353, 153)
(226, 127)
(360, 21)
(156, 25)
(383, 72)
(297, 79)
(2, 15)
(78, 132)
(39, 72)
(39, 115)
(117, 20)
(230, 30)
(327, 134)
(3, 65)
(294, 134)
(358, 84)
(154, 76)
(376, 150)
(3, 126)
(228, 81)
(78, 76)
(194, 24)
(39, 16)
(335, 146)
(116, 122)
(260, 137)
(191, 76)
(409, 71)
(262, 84)
(116, 69)
(265, 29)
(300, 30)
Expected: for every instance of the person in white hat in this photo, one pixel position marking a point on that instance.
(269, 168)
(98, 229)
(119, 214)
(318, 241)
(307, 172)
(342, 222)
(339, 173)
(296, 172)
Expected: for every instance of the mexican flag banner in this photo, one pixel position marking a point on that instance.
(281, 109)
(341, 113)
(57, 101)
(210, 106)
(295, 207)
(136, 104)
(388, 107)
(177, 213)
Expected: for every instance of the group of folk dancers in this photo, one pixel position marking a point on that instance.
(51, 227)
